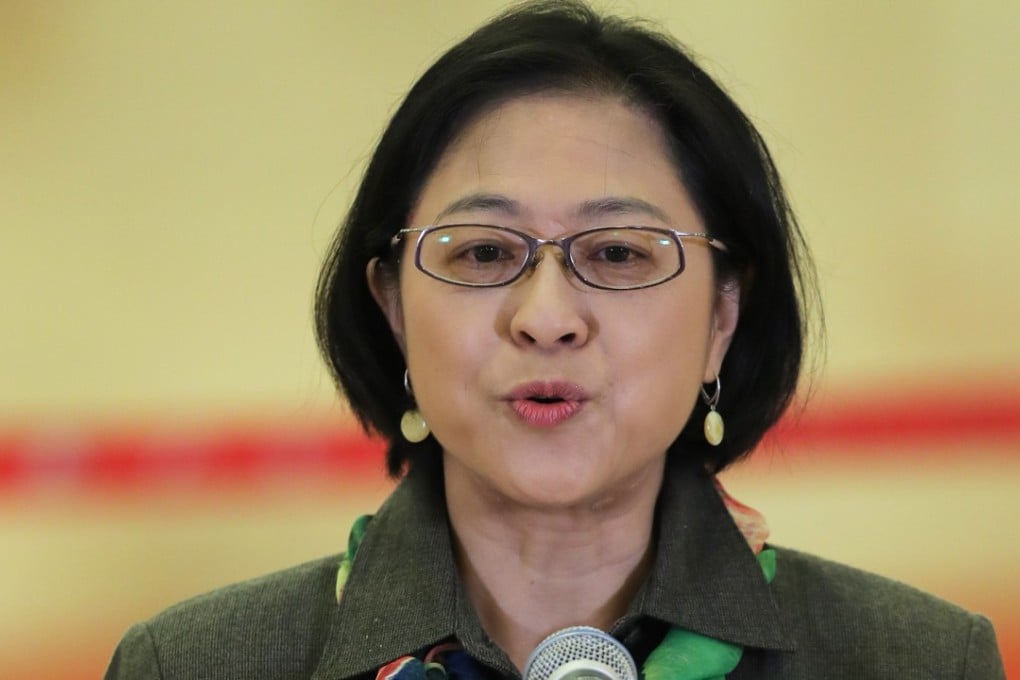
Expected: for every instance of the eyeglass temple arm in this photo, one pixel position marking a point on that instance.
(707, 238)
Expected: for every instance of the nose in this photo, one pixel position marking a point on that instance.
(550, 311)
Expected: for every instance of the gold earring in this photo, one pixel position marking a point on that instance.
(714, 428)
(412, 423)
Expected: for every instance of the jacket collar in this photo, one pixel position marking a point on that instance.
(403, 592)
(705, 577)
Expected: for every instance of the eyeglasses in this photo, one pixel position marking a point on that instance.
(608, 258)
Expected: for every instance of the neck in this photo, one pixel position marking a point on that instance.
(530, 571)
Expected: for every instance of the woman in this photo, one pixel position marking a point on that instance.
(569, 261)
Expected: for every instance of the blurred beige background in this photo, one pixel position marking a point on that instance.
(170, 174)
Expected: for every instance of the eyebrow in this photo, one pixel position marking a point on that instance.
(482, 201)
(621, 205)
(591, 210)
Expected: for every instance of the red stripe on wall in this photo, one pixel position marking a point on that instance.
(133, 456)
(939, 415)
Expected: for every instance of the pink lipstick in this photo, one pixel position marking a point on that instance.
(546, 404)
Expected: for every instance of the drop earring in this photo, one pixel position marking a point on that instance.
(713, 421)
(412, 423)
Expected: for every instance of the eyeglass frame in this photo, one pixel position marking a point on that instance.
(536, 244)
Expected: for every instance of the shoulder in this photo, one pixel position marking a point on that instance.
(866, 625)
(273, 626)
(286, 602)
(810, 579)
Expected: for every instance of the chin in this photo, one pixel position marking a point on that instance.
(557, 489)
(549, 477)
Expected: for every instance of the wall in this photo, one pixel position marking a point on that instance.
(171, 173)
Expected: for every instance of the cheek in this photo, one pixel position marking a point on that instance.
(447, 339)
(662, 356)
(427, 331)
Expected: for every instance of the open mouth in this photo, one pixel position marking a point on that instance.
(546, 404)
(546, 400)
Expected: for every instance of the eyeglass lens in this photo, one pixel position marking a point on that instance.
(625, 257)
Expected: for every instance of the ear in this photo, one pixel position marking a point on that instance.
(725, 315)
(385, 288)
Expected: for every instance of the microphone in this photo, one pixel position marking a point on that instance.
(580, 653)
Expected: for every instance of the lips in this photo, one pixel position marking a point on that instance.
(546, 404)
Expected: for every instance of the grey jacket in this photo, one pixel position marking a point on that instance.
(816, 620)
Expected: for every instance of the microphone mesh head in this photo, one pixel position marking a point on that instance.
(580, 653)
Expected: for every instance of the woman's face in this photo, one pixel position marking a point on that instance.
(620, 370)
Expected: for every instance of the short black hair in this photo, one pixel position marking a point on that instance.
(721, 160)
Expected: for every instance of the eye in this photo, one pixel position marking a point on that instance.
(625, 257)
(481, 253)
(615, 253)
(486, 253)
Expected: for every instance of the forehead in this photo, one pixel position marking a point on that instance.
(552, 157)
